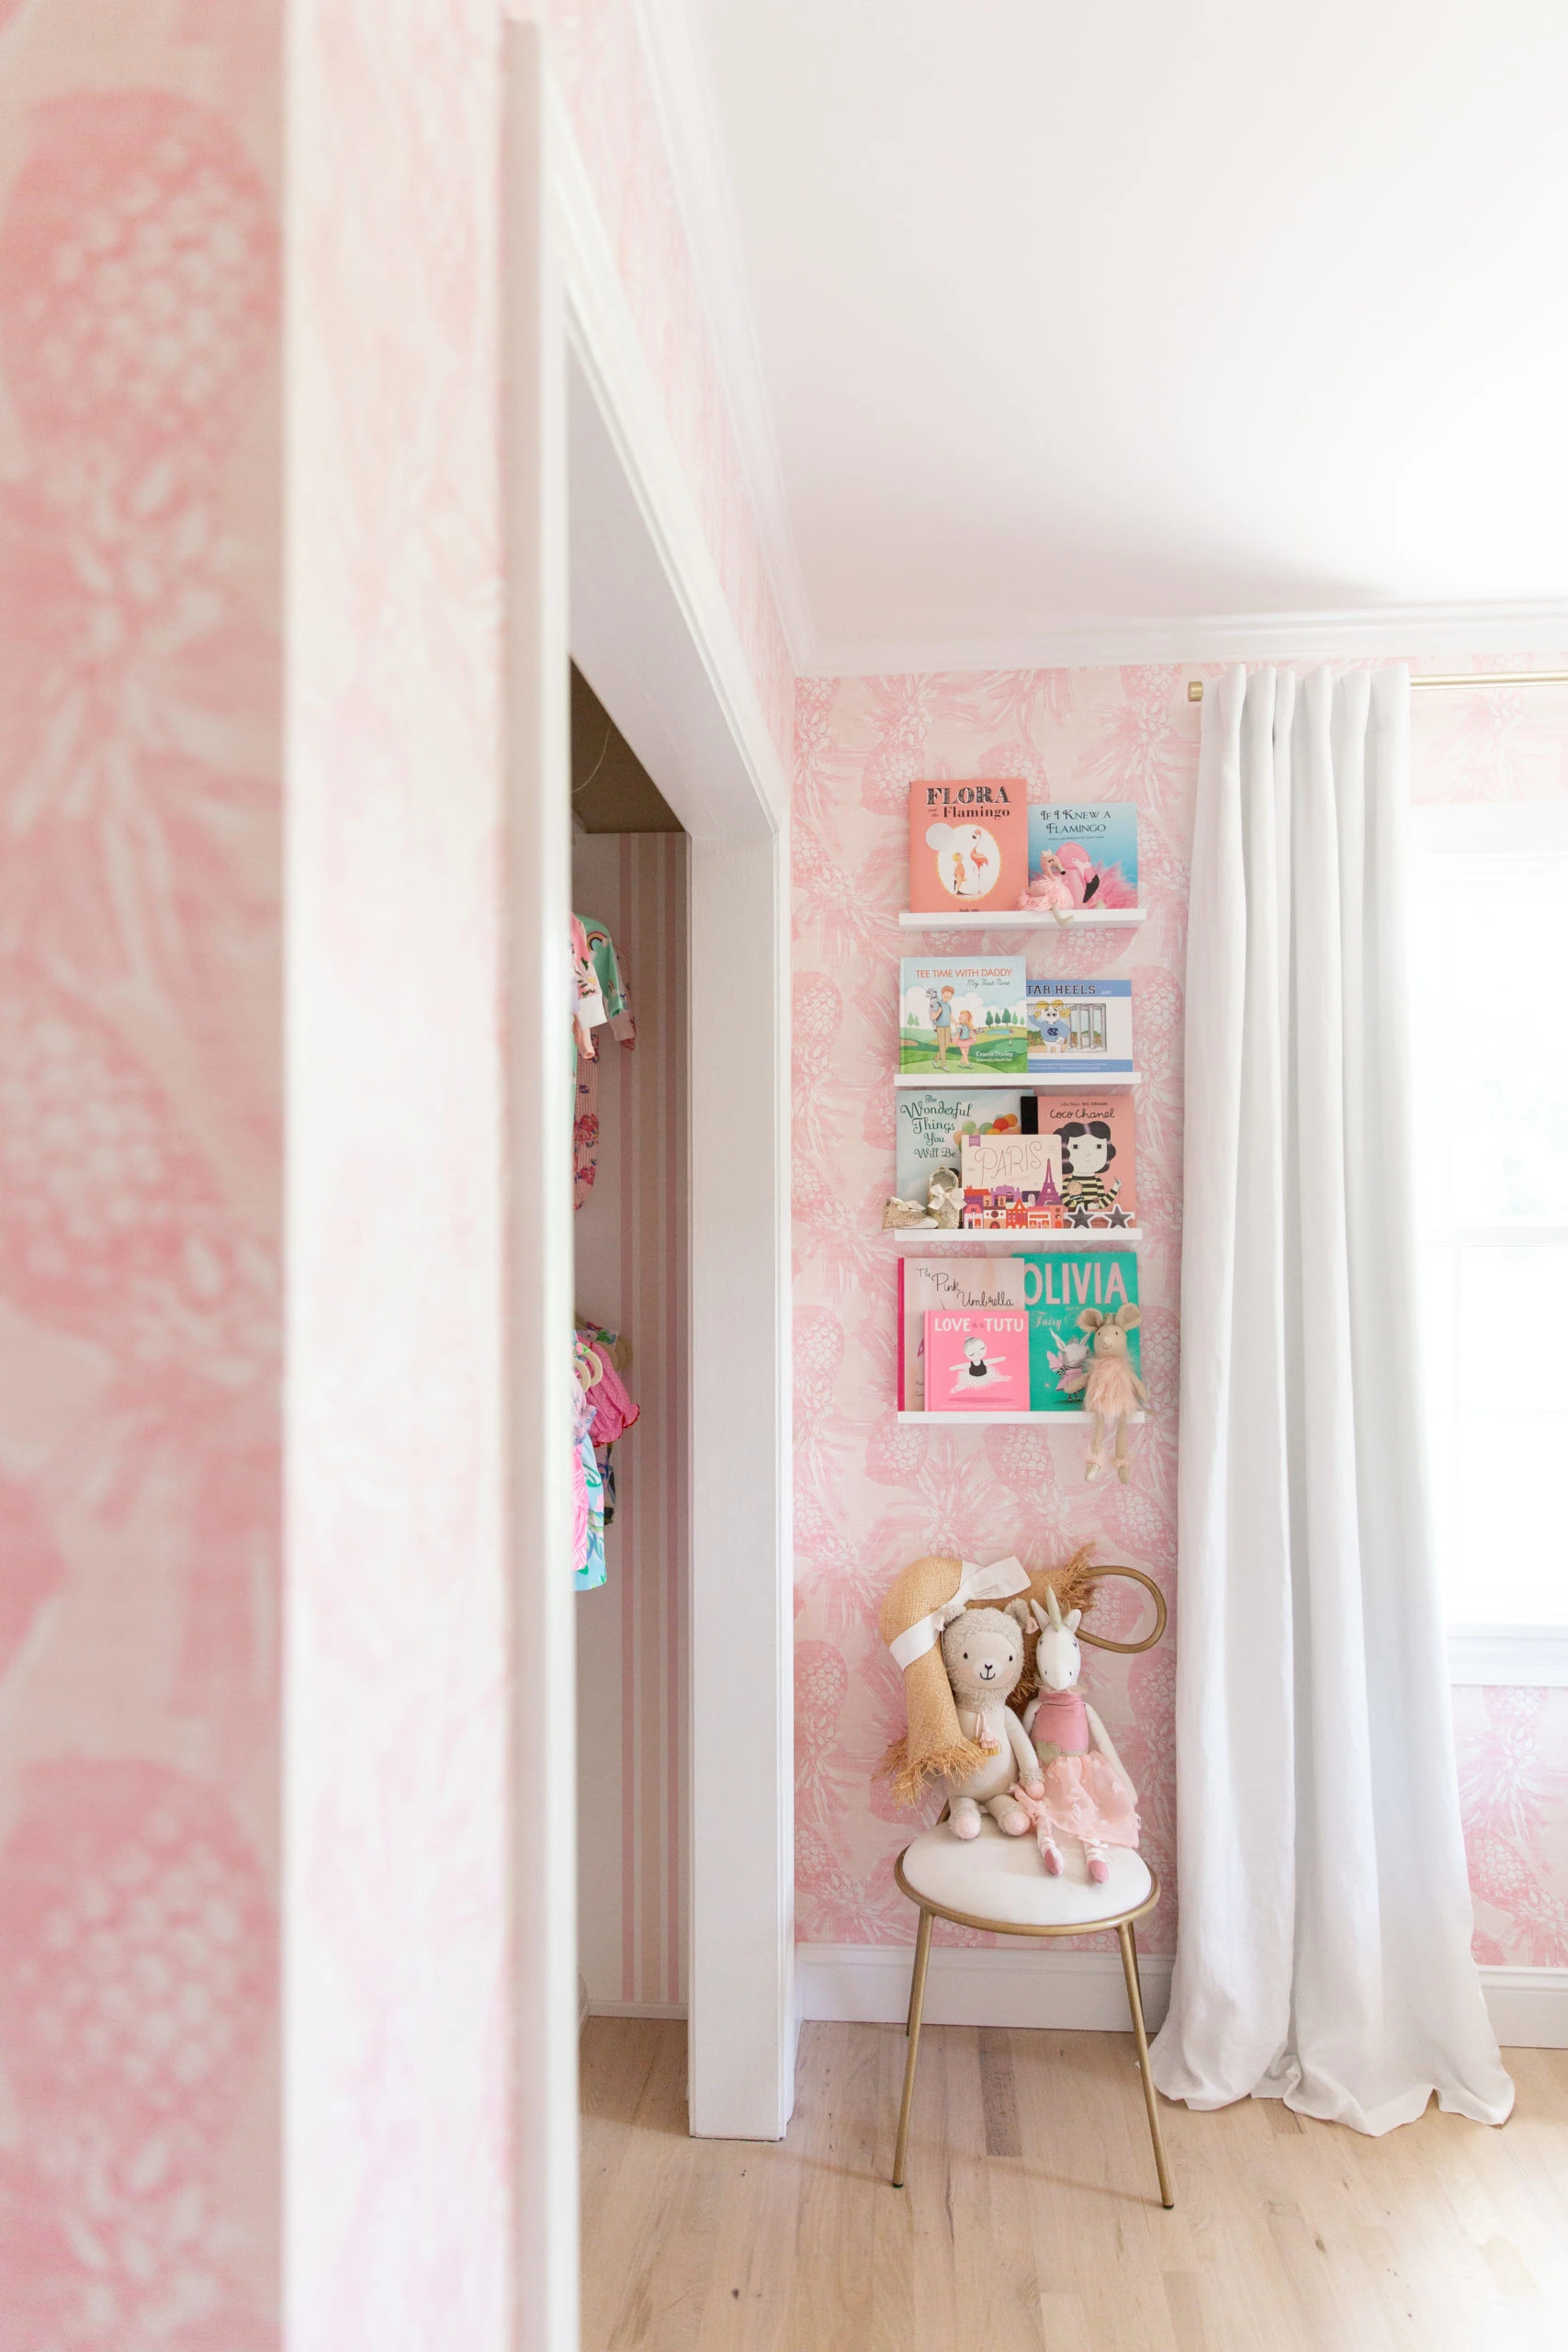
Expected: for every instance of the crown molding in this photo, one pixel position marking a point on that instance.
(683, 98)
(1394, 631)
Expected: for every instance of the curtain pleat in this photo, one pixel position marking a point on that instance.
(1324, 1953)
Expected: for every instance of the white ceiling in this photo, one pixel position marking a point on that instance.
(1083, 326)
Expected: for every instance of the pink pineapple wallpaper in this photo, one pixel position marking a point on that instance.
(139, 1177)
(597, 50)
(871, 1493)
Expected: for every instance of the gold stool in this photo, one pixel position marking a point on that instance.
(998, 1884)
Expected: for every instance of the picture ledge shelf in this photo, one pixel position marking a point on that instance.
(1074, 1081)
(989, 1420)
(1024, 918)
(1003, 1240)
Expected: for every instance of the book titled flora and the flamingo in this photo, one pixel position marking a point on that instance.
(1097, 1134)
(962, 1016)
(1082, 857)
(976, 1362)
(968, 845)
(1080, 1028)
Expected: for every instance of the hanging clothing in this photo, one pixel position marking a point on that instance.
(610, 993)
(1324, 1946)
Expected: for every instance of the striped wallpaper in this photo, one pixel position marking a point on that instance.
(631, 1276)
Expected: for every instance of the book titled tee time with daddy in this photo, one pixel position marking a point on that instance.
(968, 845)
(960, 1016)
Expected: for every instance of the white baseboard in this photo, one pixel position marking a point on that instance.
(1082, 1991)
(636, 2008)
(1014, 1985)
(1528, 2007)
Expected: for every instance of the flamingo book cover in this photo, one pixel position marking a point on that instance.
(1085, 855)
(968, 845)
(977, 1363)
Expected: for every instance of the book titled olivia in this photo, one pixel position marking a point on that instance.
(968, 845)
(977, 1362)
(1080, 1027)
(1056, 1289)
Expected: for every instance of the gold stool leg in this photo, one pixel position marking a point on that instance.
(1135, 2002)
(912, 2027)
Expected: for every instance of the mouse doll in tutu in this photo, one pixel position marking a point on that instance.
(1082, 1790)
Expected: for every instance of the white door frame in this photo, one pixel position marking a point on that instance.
(654, 634)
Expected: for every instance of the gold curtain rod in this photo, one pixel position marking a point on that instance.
(1455, 678)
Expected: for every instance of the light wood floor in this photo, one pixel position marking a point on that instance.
(1032, 2220)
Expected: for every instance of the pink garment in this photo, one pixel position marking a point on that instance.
(613, 1409)
(1111, 1389)
(1084, 1795)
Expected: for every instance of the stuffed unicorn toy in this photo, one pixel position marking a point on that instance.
(1080, 1786)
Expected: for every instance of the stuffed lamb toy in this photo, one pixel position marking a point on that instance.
(983, 1651)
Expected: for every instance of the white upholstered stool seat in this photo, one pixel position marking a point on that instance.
(1002, 1884)
(1004, 1881)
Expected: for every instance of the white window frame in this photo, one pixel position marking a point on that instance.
(1523, 1655)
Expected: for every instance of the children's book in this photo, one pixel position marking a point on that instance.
(1090, 852)
(1056, 1289)
(958, 1285)
(1081, 1027)
(977, 1363)
(959, 1016)
(1096, 1134)
(968, 845)
(1012, 1182)
(931, 1128)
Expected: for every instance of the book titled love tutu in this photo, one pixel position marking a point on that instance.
(977, 1363)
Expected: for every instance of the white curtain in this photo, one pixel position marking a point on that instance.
(1324, 1951)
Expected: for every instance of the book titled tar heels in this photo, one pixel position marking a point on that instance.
(1080, 1028)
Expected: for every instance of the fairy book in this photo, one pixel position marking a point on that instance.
(976, 1362)
(1056, 1289)
(963, 1015)
(1011, 1181)
(1085, 855)
(1097, 1135)
(1080, 1028)
(958, 1285)
(968, 845)
(931, 1129)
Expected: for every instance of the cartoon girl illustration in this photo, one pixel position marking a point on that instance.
(1087, 1152)
(964, 1032)
(979, 1372)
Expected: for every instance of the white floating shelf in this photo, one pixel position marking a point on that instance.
(1074, 1081)
(1025, 919)
(1002, 1242)
(991, 1421)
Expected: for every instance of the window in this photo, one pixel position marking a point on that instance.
(1489, 973)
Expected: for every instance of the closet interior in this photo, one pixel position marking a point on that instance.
(630, 885)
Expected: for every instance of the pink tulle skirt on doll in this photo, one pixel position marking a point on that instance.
(1083, 1799)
